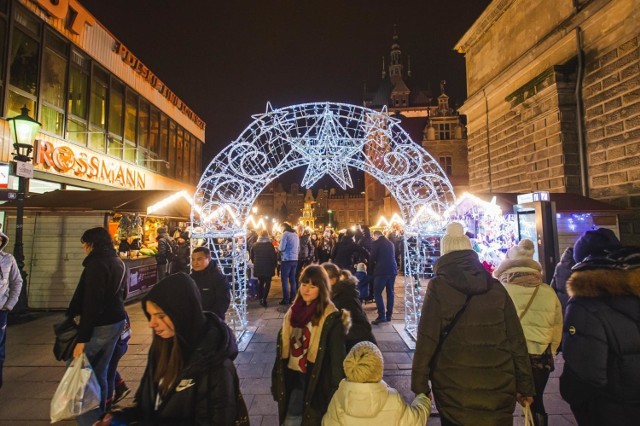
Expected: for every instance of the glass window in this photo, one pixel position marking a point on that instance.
(180, 154)
(98, 109)
(3, 37)
(23, 73)
(154, 139)
(115, 118)
(193, 169)
(445, 163)
(54, 78)
(445, 131)
(198, 160)
(164, 137)
(131, 113)
(172, 149)
(143, 124)
(78, 98)
(38, 186)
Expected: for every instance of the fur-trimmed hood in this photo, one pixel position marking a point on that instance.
(604, 282)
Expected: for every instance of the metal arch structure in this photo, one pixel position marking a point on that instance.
(327, 138)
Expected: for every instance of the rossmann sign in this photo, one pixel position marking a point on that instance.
(79, 163)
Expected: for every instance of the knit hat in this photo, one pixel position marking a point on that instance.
(454, 239)
(595, 243)
(361, 267)
(519, 259)
(364, 363)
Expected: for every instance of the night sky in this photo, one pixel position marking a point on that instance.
(226, 59)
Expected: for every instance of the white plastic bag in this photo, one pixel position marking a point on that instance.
(77, 393)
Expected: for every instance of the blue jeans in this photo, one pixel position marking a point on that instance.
(112, 373)
(99, 351)
(289, 274)
(381, 282)
(3, 339)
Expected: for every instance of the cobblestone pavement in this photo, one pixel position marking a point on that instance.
(31, 373)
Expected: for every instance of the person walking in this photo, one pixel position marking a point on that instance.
(190, 378)
(165, 252)
(470, 344)
(212, 283)
(183, 253)
(98, 301)
(306, 252)
(10, 286)
(601, 339)
(309, 352)
(561, 275)
(265, 260)
(346, 253)
(345, 296)
(385, 269)
(363, 398)
(289, 249)
(540, 315)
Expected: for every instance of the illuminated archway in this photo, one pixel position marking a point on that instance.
(327, 138)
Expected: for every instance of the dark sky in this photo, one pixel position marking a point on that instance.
(226, 59)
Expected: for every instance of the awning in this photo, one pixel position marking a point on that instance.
(105, 201)
(565, 203)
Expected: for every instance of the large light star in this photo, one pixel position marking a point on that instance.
(328, 147)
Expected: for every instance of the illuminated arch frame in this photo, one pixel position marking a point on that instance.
(327, 138)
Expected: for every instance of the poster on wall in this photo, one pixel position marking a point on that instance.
(4, 175)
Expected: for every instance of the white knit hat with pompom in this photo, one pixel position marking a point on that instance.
(364, 363)
(454, 239)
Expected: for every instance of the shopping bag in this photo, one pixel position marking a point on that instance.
(77, 393)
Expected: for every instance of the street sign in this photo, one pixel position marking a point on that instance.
(24, 169)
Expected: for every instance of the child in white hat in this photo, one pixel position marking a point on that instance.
(363, 398)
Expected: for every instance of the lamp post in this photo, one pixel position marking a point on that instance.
(23, 132)
(330, 213)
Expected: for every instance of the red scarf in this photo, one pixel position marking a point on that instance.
(301, 313)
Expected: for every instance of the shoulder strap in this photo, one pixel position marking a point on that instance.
(526, 308)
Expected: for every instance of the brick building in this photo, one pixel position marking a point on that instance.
(554, 101)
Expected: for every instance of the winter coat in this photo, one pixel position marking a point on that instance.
(483, 362)
(383, 257)
(323, 378)
(601, 344)
(365, 242)
(542, 323)
(370, 404)
(264, 258)
(10, 278)
(345, 296)
(214, 289)
(347, 253)
(289, 245)
(306, 251)
(98, 298)
(207, 390)
(183, 257)
(166, 246)
(363, 284)
(561, 275)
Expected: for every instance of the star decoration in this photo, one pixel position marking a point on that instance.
(328, 147)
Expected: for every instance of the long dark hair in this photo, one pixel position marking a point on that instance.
(99, 240)
(316, 275)
(168, 360)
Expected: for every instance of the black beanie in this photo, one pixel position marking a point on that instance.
(178, 296)
(594, 243)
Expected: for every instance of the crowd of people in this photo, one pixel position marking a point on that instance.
(485, 341)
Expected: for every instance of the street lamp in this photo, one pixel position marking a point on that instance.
(330, 213)
(24, 130)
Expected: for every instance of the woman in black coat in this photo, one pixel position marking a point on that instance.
(265, 259)
(344, 295)
(190, 378)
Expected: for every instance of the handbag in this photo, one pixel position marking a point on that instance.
(66, 337)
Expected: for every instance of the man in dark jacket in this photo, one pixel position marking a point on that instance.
(482, 367)
(265, 259)
(346, 254)
(213, 286)
(601, 340)
(385, 269)
(165, 252)
(561, 275)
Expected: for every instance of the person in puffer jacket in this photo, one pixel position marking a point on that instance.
(10, 286)
(601, 340)
(540, 315)
(363, 398)
(561, 275)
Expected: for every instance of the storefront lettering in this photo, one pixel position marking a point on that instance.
(74, 15)
(64, 160)
(144, 72)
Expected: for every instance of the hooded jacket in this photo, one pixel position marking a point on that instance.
(98, 298)
(345, 296)
(324, 377)
(214, 289)
(368, 404)
(561, 275)
(347, 253)
(10, 278)
(484, 361)
(601, 343)
(207, 390)
(264, 258)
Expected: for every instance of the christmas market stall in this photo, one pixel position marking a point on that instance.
(54, 222)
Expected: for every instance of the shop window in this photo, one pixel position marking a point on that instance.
(186, 165)
(98, 109)
(173, 140)
(143, 134)
(23, 73)
(444, 131)
(37, 186)
(54, 78)
(163, 146)
(115, 119)
(180, 155)
(445, 163)
(78, 98)
(154, 138)
(130, 117)
(193, 163)
(198, 160)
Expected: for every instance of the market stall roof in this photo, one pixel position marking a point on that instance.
(565, 203)
(106, 201)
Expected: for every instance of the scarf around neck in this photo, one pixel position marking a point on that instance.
(301, 313)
